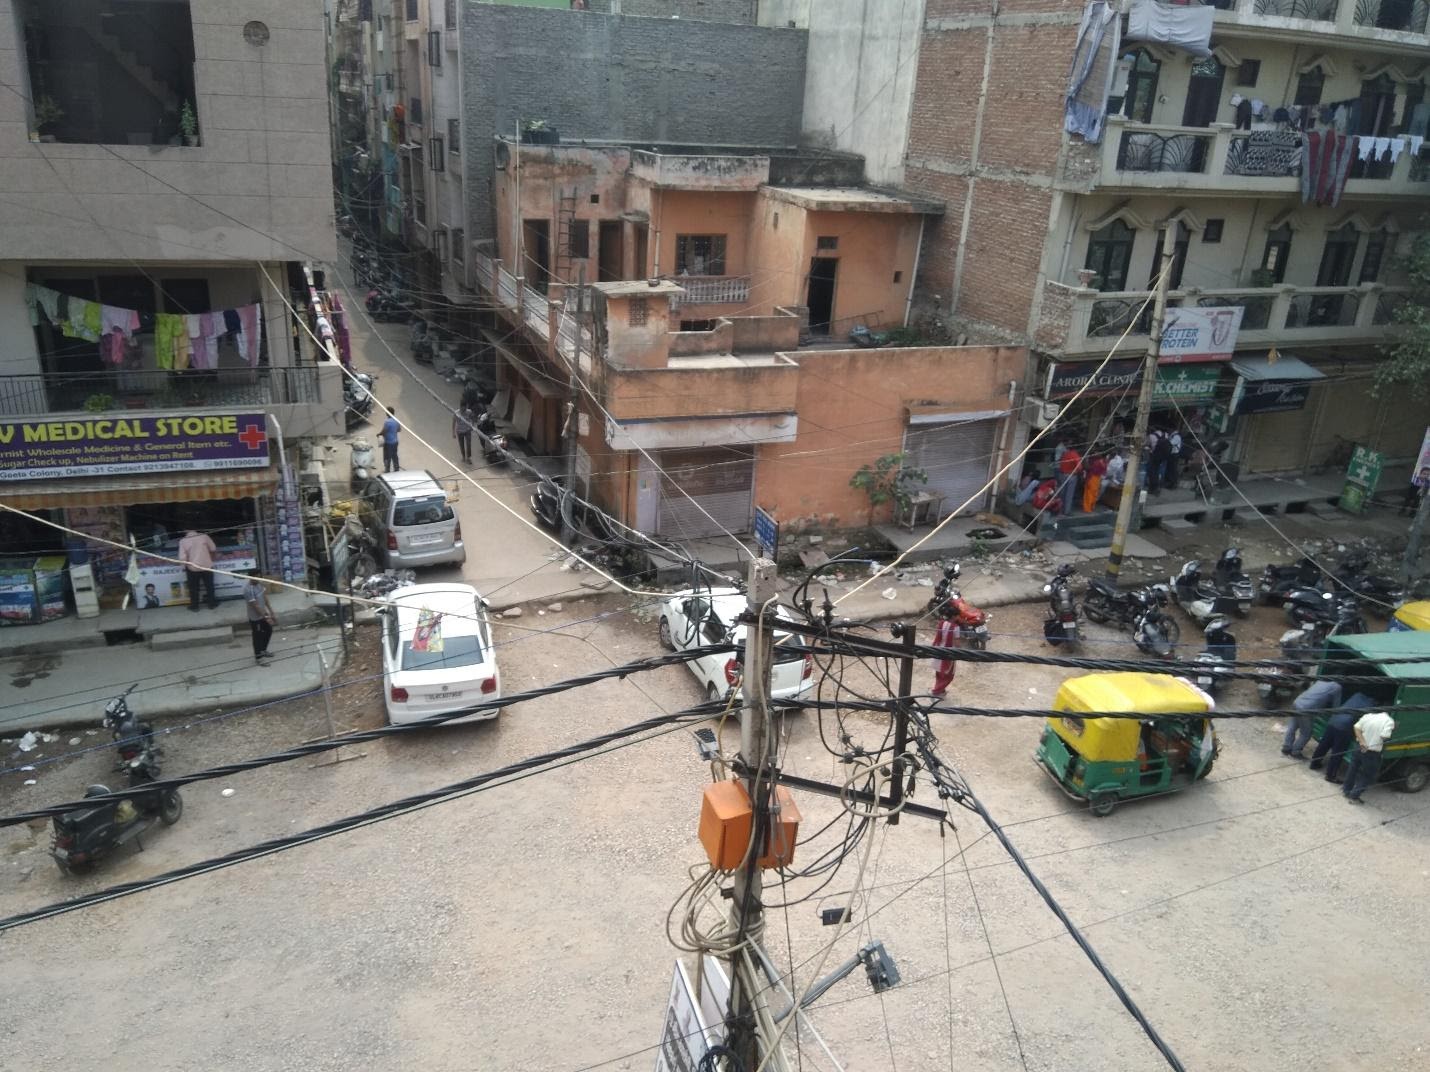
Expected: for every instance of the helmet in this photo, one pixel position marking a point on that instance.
(953, 571)
(1067, 569)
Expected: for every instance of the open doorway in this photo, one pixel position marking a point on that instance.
(536, 236)
(612, 253)
(821, 293)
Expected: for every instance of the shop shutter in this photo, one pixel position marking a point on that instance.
(1276, 442)
(721, 482)
(1348, 417)
(957, 457)
(1401, 427)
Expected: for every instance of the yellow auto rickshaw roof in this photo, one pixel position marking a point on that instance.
(1148, 694)
(1416, 615)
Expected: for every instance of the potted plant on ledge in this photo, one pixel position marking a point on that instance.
(47, 115)
(188, 124)
(536, 132)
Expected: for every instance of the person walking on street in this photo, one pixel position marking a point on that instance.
(260, 616)
(1371, 732)
(1157, 467)
(463, 421)
(196, 552)
(1319, 697)
(390, 428)
(1116, 475)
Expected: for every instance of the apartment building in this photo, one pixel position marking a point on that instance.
(167, 173)
(1210, 119)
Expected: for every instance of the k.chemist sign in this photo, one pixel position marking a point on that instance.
(102, 446)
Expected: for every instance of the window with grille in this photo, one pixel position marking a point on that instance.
(449, 15)
(827, 242)
(579, 242)
(434, 48)
(699, 254)
(459, 244)
(414, 110)
(454, 135)
(637, 311)
(412, 13)
(438, 154)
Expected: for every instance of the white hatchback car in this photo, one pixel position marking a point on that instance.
(451, 666)
(701, 616)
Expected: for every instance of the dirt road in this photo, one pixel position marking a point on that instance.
(1261, 922)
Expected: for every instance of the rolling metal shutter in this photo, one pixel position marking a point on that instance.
(957, 458)
(720, 480)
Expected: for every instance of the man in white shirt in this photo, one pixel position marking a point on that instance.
(1372, 731)
(1116, 474)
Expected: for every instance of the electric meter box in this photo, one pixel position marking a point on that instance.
(726, 821)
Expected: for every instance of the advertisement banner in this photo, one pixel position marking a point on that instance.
(1269, 396)
(105, 446)
(1200, 333)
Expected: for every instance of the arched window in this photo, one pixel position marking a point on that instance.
(1109, 251)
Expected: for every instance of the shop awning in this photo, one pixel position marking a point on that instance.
(135, 490)
(1285, 367)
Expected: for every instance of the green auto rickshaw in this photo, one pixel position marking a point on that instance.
(1104, 760)
(1394, 661)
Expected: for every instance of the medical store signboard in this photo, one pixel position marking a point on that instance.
(42, 449)
(1199, 333)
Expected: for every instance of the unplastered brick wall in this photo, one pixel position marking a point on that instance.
(741, 12)
(595, 76)
(1004, 174)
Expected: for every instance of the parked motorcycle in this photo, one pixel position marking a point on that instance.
(947, 600)
(1276, 581)
(82, 838)
(1154, 631)
(384, 304)
(131, 736)
(1060, 626)
(421, 339)
(1202, 599)
(1301, 649)
(494, 443)
(1381, 591)
(362, 465)
(1341, 613)
(377, 583)
(1216, 659)
(1229, 577)
(357, 399)
(1104, 602)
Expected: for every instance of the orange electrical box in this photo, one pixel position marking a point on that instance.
(726, 821)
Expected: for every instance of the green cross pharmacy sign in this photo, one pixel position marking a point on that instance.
(1362, 476)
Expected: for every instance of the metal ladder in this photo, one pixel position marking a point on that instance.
(565, 217)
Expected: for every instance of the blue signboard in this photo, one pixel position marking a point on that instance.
(767, 533)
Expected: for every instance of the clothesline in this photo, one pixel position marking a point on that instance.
(181, 340)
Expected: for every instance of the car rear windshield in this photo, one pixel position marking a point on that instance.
(432, 510)
(456, 651)
(788, 647)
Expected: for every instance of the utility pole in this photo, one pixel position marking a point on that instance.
(1417, 531)
(758, 743)
(573, 420)
(1131, 482)
(902, 704)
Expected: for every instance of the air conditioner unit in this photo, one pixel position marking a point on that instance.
(1039, 412)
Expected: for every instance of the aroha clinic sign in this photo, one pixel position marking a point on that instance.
(106, 446)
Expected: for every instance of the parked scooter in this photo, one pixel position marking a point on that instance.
(1200, 598)
(357, 399)
(362, 465)
(131, 736)
(1301, 648)
(1154, 631)
(972, 623)
(1104, 602)
(1214, 661)
(1230, 578)
(1060, 626)
(1276, 581)
(82, 838)
(421, 341)
(1342, 614)
(494, 443)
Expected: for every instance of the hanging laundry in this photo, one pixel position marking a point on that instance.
(1415, 142)
(1188, 28)
(1364, 146)
(85, 320)
(112, 348)
(1382, 146)
(1345, 152)
(45, 300)
(1397, 146)
(1094, 62)
(250, 337)
(112, 319)
(170, 329)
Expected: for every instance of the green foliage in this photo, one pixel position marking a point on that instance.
(99, 403)
(47, 113)
(1406, 368)
(188, 122)
(888, 481)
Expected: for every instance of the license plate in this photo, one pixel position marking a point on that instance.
(429, 537)
(444, 696)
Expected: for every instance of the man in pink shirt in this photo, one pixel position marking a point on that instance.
(196, 552)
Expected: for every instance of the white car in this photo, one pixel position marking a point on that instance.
(701, 616)
(451, 666)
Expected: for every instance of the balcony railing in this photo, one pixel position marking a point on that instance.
(1280, 315)
(1377, 20)
(1219, 157)
(1404, 15)
(188, 389)
(712, 290)
(1315, 10)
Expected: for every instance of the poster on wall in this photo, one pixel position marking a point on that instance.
(289, 514)
(165, 584)
(1421, 478)
(104, 446)
(101, 523)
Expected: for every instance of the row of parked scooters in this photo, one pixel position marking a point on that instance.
(1318, 603)
(82, 838)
